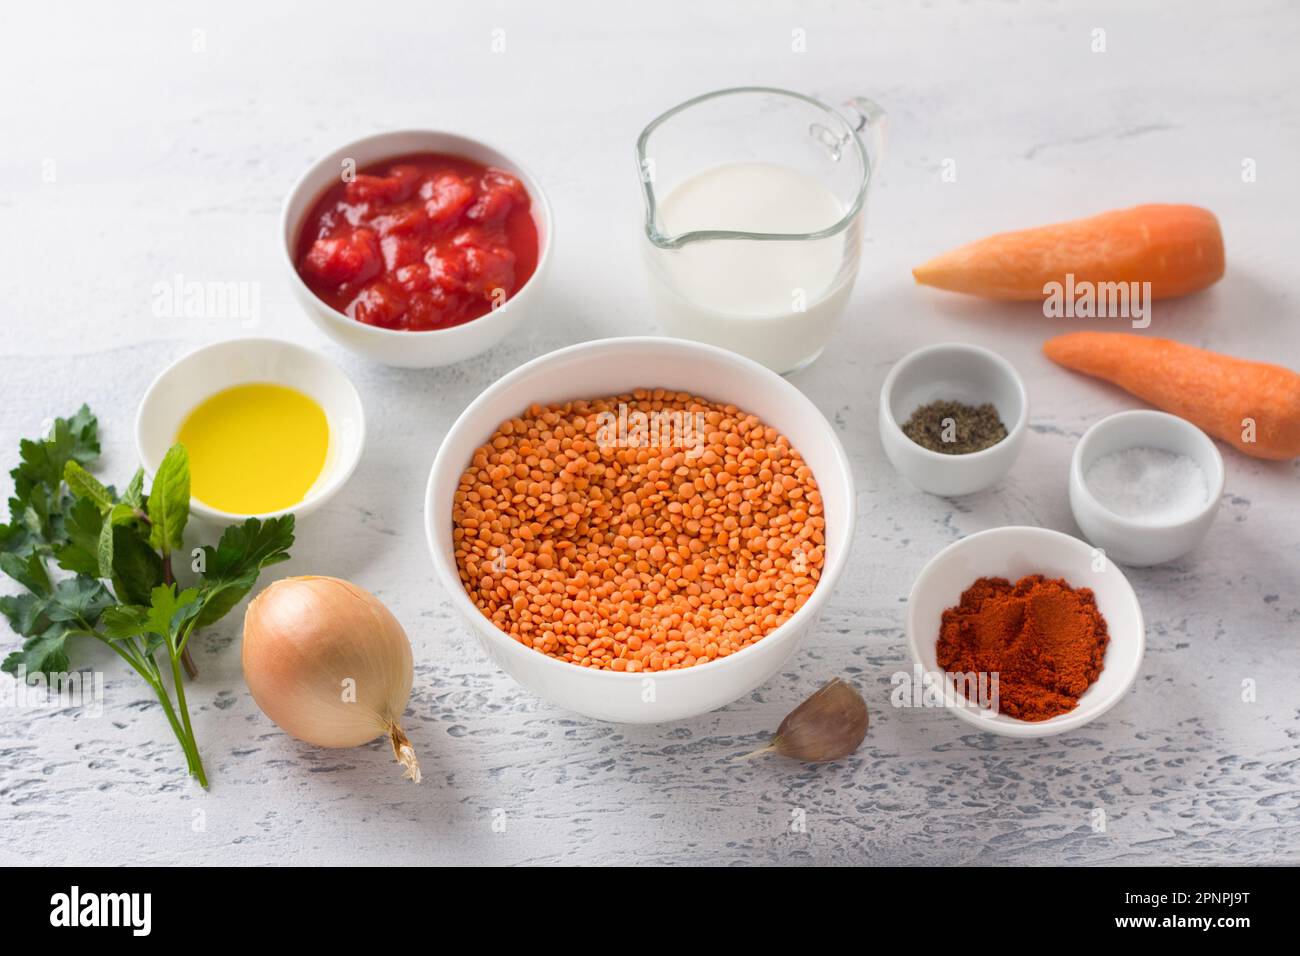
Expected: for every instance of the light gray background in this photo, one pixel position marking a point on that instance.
(169, 161)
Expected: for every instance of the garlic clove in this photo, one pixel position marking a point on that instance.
(829, 725)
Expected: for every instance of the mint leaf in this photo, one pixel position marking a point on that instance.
(231, 568)
(133, 496)
(122, 513)
(137, 569)
(169, 500)
(104, 549)
(85, 485)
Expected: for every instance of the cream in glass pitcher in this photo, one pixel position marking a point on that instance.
(754, 200)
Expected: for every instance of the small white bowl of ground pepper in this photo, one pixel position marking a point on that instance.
(953, 418)
(640, 529)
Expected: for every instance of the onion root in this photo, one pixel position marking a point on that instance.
(403, 751)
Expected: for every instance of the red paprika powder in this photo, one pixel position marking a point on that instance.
(1044, 639)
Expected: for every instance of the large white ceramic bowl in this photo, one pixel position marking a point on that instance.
(190, 380)
(1012, 553)
(611, 367)
(961, 373)
(1143, 541)
(393, 346)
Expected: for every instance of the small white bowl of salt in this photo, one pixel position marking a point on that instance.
(1145, 486)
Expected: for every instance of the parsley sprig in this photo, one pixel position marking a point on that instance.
(115, 553)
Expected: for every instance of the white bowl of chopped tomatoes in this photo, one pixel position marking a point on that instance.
(611, 367)
(417, 248)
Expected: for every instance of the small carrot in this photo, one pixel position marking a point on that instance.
(1253, 406)
(1178, 249)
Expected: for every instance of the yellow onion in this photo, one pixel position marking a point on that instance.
(329, 664)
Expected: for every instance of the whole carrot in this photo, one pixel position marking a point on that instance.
(1253, 406)
(1178, 249)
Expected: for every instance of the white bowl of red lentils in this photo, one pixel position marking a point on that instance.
(640, 529)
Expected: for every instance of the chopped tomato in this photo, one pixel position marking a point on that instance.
(448, 198)
(400, 251)
(419, 242)
(413, 278)
(378, 304)
(407, 220)
(397, 186)
(490, 270)
(352, 258)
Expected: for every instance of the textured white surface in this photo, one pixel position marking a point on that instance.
(169, 161)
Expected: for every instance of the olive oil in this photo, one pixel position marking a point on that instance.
(255, 448)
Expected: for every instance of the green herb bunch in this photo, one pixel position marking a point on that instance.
(118, 549)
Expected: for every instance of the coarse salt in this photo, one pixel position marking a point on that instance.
(1149, 483)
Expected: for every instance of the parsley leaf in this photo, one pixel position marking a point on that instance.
(18, 537)
(29, 572)
(70, 439)
(170, 609)
(82, 525)
(26, 613)
(231, 568)
(71, 609)
(44, 653)
(79, 600)
(122, 621)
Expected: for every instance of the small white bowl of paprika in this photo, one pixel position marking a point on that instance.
(1014, 553)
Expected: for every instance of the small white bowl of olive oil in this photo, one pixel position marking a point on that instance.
(270, 427)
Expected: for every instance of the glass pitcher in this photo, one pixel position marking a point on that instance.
(754, 200)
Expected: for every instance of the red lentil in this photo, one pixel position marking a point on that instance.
(620, 555)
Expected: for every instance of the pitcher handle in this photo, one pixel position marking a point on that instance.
(868, 114)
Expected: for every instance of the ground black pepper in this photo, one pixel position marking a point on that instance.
(954, 428)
